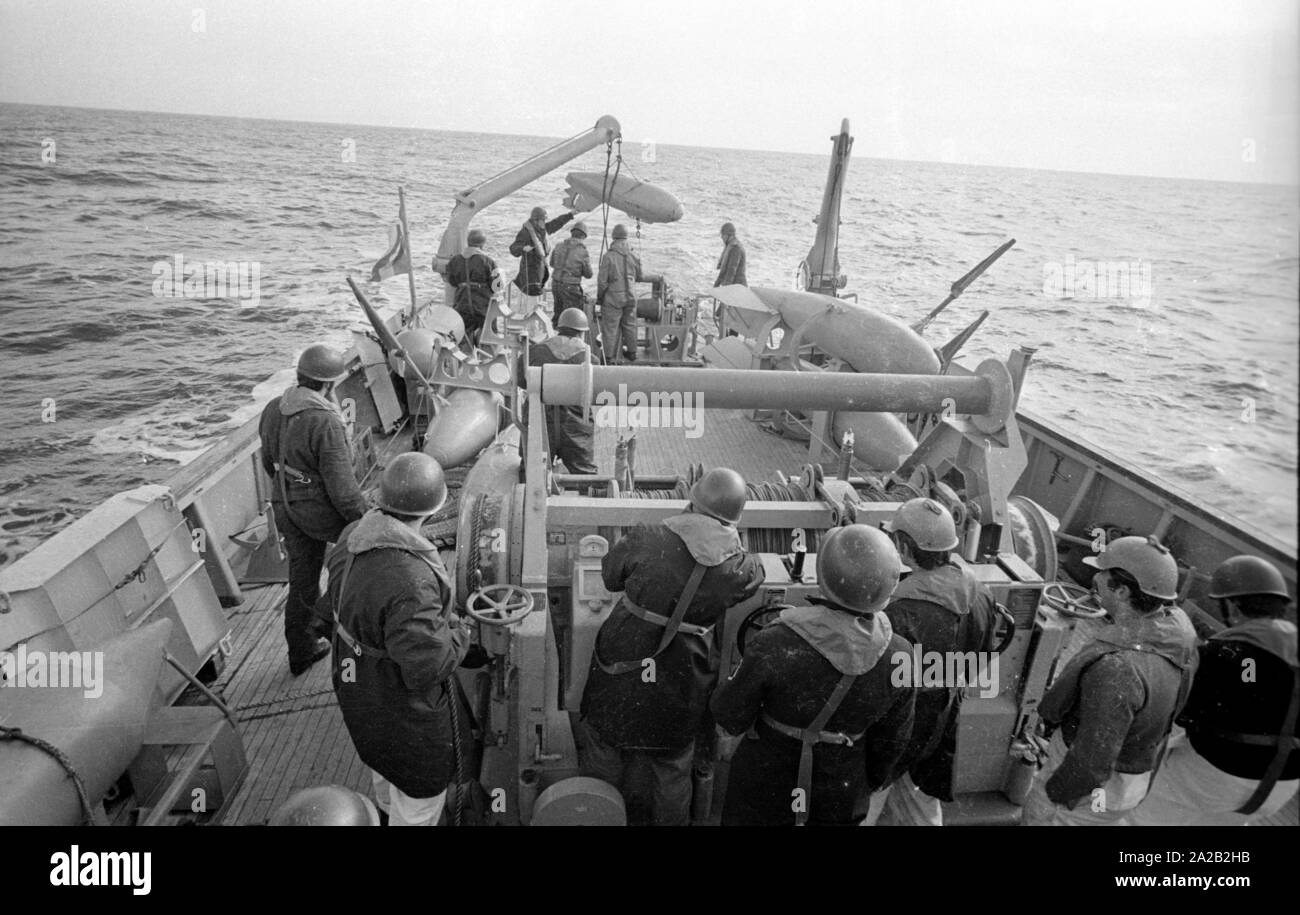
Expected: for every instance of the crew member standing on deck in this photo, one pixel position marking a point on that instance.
(397, 644)
(533, 248)
(816, 688)
(315, 494)
(655, 663)
(476, 279)
(571, 265)
(940, 607)
(570, 431)
(619, 269)
(731, 264)
(1240, 759)
(1116, 699)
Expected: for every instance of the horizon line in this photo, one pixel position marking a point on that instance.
(241, 117)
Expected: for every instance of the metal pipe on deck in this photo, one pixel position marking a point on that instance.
(654, 387)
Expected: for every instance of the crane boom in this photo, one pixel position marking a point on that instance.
(471, 202)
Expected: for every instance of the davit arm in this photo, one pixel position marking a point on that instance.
(469, 203)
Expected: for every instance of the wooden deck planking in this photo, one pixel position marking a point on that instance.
(292, 729)
(728, 439)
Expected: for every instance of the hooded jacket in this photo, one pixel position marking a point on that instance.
(394, 696)
(570, 430)
(945, 609)
(571, 261)
(650, 565)
(533, 269)
(1117, 698)
(315, 445)
(1224, 701)
(788, 672)
(472, 274)
(619, 269)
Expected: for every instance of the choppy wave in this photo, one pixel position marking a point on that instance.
(144, 383)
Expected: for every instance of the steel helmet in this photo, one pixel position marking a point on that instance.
(620, 231)
(328, 805)
(412, 485)
(578, 229)
(927, 522)
(1146, 559)
(858, 567)
(322, 363)
(728, 229)
(476, 238)
(574, 318)
(537, 213)
(1242, 575)
(721, 494)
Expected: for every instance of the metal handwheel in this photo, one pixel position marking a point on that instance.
(499, 605)
(1004, 628)
(757, 620)
(1072, 600)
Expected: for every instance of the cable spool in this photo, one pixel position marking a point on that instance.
(759, 540)
(485, 558)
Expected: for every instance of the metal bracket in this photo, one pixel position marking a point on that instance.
(453, 368)
(503, 328)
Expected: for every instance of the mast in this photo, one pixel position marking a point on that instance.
(823, 261)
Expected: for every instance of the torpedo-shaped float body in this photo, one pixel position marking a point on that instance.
(636, 198)
(99, 731)
(464, 426)
(865, 339)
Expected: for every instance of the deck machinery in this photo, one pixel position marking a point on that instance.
(530, 543)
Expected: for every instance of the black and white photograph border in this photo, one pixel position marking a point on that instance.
(724, 413)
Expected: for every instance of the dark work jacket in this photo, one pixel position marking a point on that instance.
(619, 269)
(472, 274)
(1222, 701)
(316, 445)
(650, 565)
(789, 671)
(397, 599)
(571, 434)
(571, 261)
(731, 265)
(1116, 701)
(944, 609)
(533, 269)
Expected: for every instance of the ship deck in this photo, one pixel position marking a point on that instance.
(292, 728)
(293, 731)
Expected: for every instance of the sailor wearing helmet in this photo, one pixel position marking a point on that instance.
(1115, 701)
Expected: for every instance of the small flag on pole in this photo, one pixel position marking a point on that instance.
(397, 259)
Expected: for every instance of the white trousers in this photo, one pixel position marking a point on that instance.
(404, 810)
(1190, 791)
(903, 804)
(1110, 804)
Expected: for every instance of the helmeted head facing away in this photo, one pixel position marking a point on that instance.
(321, 364)
(858, 568)
(412, 487)
(721, 493)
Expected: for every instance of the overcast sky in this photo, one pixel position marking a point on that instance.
(1186, 88)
